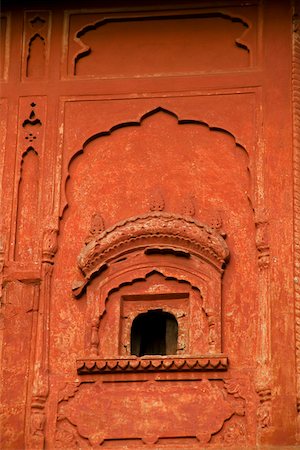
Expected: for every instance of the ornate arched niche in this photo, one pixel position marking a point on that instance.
(163, 271)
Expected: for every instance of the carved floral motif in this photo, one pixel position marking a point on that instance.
(97, 227)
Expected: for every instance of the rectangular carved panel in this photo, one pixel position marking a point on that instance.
(152, 44)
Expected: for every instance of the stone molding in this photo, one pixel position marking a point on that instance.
(152, 364)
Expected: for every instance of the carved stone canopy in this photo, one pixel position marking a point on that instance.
(150, 232)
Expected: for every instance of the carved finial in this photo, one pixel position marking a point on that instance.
(96, 227)
(188, 207)
(49, 244)
(216, 223)
(156, 202)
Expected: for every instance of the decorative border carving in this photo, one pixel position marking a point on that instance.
(296, 157)
(153, 364)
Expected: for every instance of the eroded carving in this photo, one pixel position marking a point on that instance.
(156, 202)
(234, 434)
(264, 409)
(66, 435)
(97, 227)
(49, 244)
(262, 242)
(143, 231)
(188, 207)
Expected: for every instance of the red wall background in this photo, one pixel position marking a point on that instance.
(113, 111)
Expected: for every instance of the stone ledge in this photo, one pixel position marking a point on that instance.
(152, 364)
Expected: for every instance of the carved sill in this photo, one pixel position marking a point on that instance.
(152, 364)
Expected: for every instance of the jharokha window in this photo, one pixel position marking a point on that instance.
(153, 285)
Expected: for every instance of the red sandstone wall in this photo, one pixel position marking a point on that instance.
(148, 163)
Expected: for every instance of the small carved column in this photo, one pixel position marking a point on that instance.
(263, 376)
(41, 375)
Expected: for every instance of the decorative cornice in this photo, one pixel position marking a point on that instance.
(152, 364)
(144, 231)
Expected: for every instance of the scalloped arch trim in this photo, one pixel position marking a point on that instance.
(149, 230)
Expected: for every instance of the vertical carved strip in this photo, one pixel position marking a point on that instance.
(25, 232)
(296, 145)
(263, 373)
(36, 44)
(40, 388)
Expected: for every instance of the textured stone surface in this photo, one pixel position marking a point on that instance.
(150, 165)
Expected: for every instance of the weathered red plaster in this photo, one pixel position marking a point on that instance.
(150, 166)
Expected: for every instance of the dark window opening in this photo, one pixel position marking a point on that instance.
(154, 333)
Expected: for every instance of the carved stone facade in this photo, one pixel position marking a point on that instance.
(149, 234)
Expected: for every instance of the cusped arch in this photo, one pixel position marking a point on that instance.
(138, 123)
(165, 273)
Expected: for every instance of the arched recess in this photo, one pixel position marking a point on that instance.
(152, 113)
(35, 61)
(26, 241)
